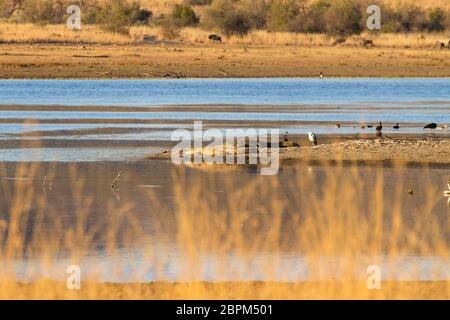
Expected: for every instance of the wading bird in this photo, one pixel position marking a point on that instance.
(312, 138)
(380, 127)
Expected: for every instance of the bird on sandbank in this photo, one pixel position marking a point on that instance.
(431, 126)
(312, 138)
(379, 128)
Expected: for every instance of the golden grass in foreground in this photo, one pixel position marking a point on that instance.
(230, 290)
(243, 232)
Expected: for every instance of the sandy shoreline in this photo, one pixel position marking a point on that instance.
(387, 150)
(43, 61)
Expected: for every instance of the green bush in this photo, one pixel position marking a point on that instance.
(43, 11)
(436, 20)
(117, 16)
(282, 13)
(226, 17)
(344, 17)
(411, 18)
(184, 16)
(315, 20)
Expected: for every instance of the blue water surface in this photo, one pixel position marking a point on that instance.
(223, 91)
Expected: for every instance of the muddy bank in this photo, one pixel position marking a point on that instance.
(414, 150)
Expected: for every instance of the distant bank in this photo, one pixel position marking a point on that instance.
(47, 61)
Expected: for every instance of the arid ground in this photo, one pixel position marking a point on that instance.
(202, 60)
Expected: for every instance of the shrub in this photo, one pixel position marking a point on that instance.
(224, 15)
(315, 20)
(237, 23)
(436, 20)
(118, 15)
(43, 11)
(411, 18)
(282, 13)
(344, 17)
(170, 29)
(256, 12)
(184, 16)
(199, 2)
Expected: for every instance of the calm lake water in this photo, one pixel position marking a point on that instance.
(155, 252)
(149, 110)
(129, 119)
(223, 91)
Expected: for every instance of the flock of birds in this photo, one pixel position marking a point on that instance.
(379, 128)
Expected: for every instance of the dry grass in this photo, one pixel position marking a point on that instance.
(161, 6)
(243, 233)
(29, 33)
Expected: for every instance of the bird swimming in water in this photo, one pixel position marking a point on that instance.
(431, 126)
(396, 127)
(338, 125)
(370, 126)
(312, 138)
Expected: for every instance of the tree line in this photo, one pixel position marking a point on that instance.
(234, 17)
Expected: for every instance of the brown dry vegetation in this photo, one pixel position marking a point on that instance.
(251, 220)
